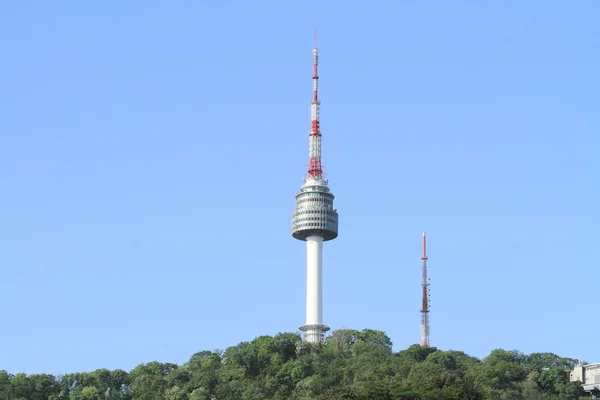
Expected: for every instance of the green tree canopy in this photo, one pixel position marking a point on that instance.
(351, 365)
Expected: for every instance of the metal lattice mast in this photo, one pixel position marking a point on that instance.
(315, 169)
(314, 220)
(425, 299)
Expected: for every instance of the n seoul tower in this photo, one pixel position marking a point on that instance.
(314, 220)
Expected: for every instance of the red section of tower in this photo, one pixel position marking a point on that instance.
(315, 169)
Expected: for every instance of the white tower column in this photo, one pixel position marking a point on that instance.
(314, 280)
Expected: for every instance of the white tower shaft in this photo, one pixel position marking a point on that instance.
(314, 288)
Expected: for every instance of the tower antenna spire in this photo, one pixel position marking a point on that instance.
(315, 169)
(425, 299)
(314, 220)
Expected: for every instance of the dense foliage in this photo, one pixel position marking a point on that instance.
(353, 365)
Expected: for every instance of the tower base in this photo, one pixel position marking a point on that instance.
(314, 333)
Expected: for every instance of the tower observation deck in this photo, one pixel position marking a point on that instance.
(314, 214)
(314, 220)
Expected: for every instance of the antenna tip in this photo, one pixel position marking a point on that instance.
(315, 38)
(423, 233)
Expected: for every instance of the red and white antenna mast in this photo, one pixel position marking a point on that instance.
(425, 300)
(315, 170)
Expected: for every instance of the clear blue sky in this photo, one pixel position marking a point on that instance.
(150, 153)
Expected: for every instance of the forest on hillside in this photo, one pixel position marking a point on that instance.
(351, 365)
